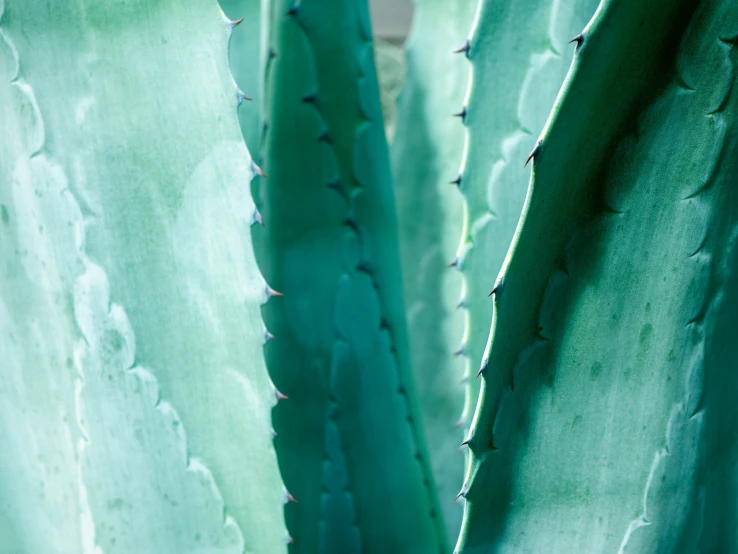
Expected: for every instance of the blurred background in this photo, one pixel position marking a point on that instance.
(391, 20)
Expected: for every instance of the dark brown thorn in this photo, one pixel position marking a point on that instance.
(271, 292)
(348, 222)
(454, 262)
(481, 370)
(325, 137)
(494, 290)
(256, 169)
(459, 351)
(335, 185)
(292, 11)
(461, 114)
(465, 443)
(540, 335)
(533, 154)
(579, 39)
(462, 492)
(464, 49)
(272, 53)
(456, 181)
(241, 97)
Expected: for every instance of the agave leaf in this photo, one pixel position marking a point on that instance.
(519, 46)
(349, 441)
(425, 152)
(504, 37)
(135, 405)
(599, 427)
(247, 63)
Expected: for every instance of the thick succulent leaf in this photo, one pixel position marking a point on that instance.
(504, 37)
(134, 401)
(599, 427)
(349, 443)
(425, 153)
(518, 47)
(532, 65)
(247, 63)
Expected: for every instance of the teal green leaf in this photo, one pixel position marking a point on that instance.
(519, 57)
(247, 61)
(505, 36)
(349, 439)
(425, 155)
(134, 399)
(611, 363)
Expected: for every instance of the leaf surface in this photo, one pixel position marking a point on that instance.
(135, 401)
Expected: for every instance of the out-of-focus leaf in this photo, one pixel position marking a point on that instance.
(425, 157)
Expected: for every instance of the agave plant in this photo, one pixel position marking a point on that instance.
(198, 358)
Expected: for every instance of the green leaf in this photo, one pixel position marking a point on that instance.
(349, 442)
(505, 37)
(519, 48)
(600, 426)
(134, 401)
(247, 61)
(519, 58)
(425, 156)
